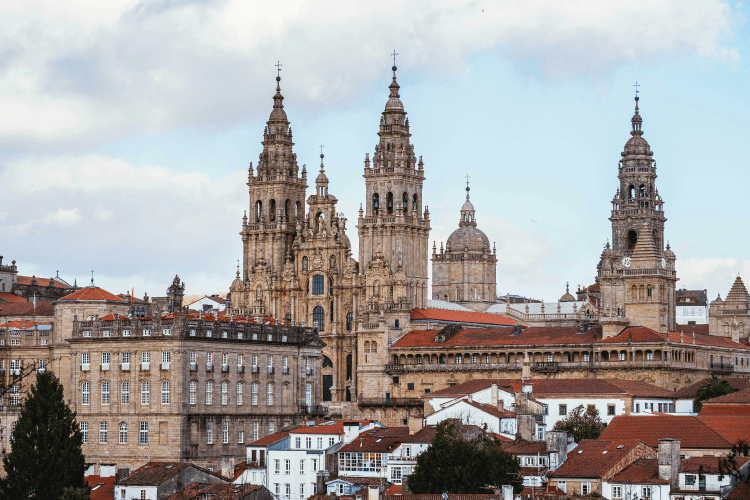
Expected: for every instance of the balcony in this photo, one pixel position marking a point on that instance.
(545, 366)
(209, 367)
(165, 365)
(240, 369)
(145, 366)
(389, 401)
(125, 367)
(225, 368)
(105, 367)
(394, 368)
(85, 367)
(722, 367)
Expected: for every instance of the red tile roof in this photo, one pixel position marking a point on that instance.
(550, 492)
(111, 317)
(738, 410)
(642, 471)
(26, 309)
(739, 397)
(692, 433)
(439, 497)
(707, 464)
(638, 335)
(707, 340)
(731, 428)
(522, 447)
(153, 473)
(10, 297)
(740, 492)
(424, 435)
(688, 329)
(464, 389)
(460, 317)
(26, 281)
(378, 440)
(270, 439)
(335, 427)
(470, 337)
(102, 488)
(199, 491)
(24, 325)
(690, 391)
(595, 458)
(394, 489)
(92, 293)
(491, 410)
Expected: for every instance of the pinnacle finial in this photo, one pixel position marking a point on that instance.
(467, 186)
(394, 62)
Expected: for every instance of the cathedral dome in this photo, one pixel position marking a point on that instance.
(568, 297)
(467, 206)
(468, 237)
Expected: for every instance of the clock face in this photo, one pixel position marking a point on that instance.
(663, 263)
(626, 262)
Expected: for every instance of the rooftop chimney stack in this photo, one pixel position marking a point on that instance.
(668, 458)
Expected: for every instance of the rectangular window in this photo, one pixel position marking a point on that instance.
(209, 392)
(225, 432)
(105, 361)
(270, 364)
(278, 466)
(165, 393)
(123, 433)
(308, 443)
(690, 479)
(192, 357)
(320, 443)
(637, 407)
(287, 466)
(410, 386)
(563, 409)
(616, 491)
(586, 357)
(585, 488)
(270, 427)
(331, 442)
(302, 490)
(106, 333)
(145, 393)
(302, 466)
(308, 394)
(314, 464)
(193, 388)
(125, 393)
(146, 333)
(166, 357)
(645, 492)
(143, 438)
(42, 365)
(209, 433)
(126, 333)
(240, 390)
(298, 443)
(85, 431)
(105, 393)
(256, 427)
(270, 395)
(239, 361)
(103, 432)
(610, 409)
(254, 396)
(288, 490)
(85, 393)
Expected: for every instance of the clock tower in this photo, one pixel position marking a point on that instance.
(636, 273)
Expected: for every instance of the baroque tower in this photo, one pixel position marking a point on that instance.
(277, 196)
(466, 271)
(394, 230)
(636, 274)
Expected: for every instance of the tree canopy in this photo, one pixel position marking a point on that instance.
(460, 462)
(711, 388)
(45, 456)
(582, 423)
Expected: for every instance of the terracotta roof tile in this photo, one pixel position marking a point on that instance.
(394, 489)
(112, 317)
(525, 447)
(730, 428)
(26, 309)
(688, 329)
(491, 410)
(642, 471)
(439, 497)
(102, 488)
(424, 435)
(154, 473)
(10, 297)
(740, 492)
(25, 325)
(91, 293)
(199, 491)
(706, 340)
(742, 397)
(464, 389)
(692, 432)
(690, 391)
(27, 280)
(476, 318)
(270, 439)
(550, 492)
(738, 410)
(595, 458)
(709, 464)
(469, 337)
(637, 334)
(335, 427)
(378, 440)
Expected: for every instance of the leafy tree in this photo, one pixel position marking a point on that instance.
(461, 462)
(731, 464)
(45, 456)
(711, 388)
(582, 424)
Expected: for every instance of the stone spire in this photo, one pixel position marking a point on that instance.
(738, 292)
(468, 216)
(321, 182)
(645, 255)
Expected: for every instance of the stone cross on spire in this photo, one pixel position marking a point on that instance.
(278, 69)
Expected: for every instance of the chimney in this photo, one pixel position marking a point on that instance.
(373, 492)
(405, 486)
(507, 492)
(320, 481)
(493, 394)
(526, 368)
(227, 466)
(470, 398)
(351, 431)
(668, 457)
(526, 427)
(500, 405)
(122, 473)
(416, 422)
(557, 442)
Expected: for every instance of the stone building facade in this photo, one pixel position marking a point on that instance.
(731, 317)
(466, 272)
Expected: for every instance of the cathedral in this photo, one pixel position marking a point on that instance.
(387, 343)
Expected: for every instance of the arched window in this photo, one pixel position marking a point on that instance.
(419, 359)
(349, 319)
(632, 239)
(258, 210)
(458, 294)
(650, 292)
(657, 241)
(304, 263)
(375, 203)
(374, 346)
(405, 203)
(319, 318)
(631, 192)
(642, 191)
(459, 359)
(327, 363)
(272, 214)
(414, 205)
(287, 209)
(331, 311)
(349, 367)
(297, 210)
(389, 203)
(474, 294)
(318, 284)
(123, 433)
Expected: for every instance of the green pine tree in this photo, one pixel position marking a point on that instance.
(46, 456)
(459, 463)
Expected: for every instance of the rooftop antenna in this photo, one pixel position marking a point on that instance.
(92, 277)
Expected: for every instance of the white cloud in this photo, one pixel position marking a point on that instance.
(714, 274)
(74, 74)
(63, 216)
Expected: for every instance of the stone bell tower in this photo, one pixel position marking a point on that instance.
(636, 274)
(277, 197)
(394, 229)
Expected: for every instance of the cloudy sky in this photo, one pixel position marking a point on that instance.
(127, 127)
